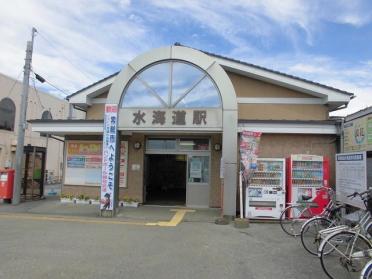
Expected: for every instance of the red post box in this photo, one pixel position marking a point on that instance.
(6, 183)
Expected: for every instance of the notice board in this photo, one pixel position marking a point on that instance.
(83, 163)
(351, 176)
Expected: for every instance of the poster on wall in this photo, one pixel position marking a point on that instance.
(84, 148)
(195, 168)
(108, 156)
(83, 163)
(351, 176)
(249, 143)
(93, 162)
(75, 161)
(358, 134)
(123, 164)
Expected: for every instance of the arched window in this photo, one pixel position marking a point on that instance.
(7, 114)
(171, 84)
(46, 115)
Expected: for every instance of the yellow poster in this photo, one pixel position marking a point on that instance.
(77, 148)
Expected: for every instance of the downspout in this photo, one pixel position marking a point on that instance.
(342, 135)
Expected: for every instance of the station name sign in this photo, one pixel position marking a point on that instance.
(170, 118)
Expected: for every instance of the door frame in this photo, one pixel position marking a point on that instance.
(189, 185)
(188, 154)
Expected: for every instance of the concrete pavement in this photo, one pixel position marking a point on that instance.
(195, 248)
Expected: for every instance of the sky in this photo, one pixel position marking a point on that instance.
(82, 41)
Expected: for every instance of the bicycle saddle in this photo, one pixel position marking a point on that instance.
(305, 198)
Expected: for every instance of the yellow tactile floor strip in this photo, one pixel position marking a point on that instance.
(176, 219)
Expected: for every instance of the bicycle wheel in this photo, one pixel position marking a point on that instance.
(310, 237)
(336, 255)
(292, 218)
(367, 271)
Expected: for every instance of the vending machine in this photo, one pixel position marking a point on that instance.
(265, 194)
(306, 175)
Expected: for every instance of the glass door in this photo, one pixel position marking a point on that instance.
(198, 177)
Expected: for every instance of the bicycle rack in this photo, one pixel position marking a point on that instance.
(324, 233)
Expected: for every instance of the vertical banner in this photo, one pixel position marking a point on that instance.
(249, 143)
(109, 157)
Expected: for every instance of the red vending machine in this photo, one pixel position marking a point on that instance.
(306, 175)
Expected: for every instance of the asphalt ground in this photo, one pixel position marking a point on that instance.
(40, 245)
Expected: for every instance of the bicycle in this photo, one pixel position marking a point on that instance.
(293, 216)
(330, 217)
(367, 271)
(345, 251)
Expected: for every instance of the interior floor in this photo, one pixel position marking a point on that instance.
(166, 179)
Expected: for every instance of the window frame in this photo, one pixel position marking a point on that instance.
(171, 104)
(12, 116)
(49, 114)
(178, 149)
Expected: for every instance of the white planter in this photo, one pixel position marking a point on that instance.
(82, 201)
(128, 204)
(78, 201)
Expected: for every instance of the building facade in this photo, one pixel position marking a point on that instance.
(180, 113)
(40, 105)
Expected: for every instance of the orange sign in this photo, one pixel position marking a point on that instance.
(77, 148)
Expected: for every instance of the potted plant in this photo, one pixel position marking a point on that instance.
(95, 201)
(129, 202)
(66, 198)
(87, 200)
(80, 199)
(121, 201)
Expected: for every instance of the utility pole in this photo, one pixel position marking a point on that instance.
(22, 121)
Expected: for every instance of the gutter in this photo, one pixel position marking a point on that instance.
(79, 108)
(340, 107)
(55, 138)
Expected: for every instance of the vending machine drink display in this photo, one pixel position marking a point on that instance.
(265, 194)
(306, 175)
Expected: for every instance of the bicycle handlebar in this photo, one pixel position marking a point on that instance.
(361, 195)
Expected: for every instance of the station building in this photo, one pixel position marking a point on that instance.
(180, 114)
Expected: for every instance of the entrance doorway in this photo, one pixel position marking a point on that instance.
(166, 179)
(33, 172)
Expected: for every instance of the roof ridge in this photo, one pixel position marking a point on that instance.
(90, 85)
(267, 69)
(233, 60)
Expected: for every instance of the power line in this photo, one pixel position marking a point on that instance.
(64, 92)
(68, 60)
(37, 94)
(42, 80)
